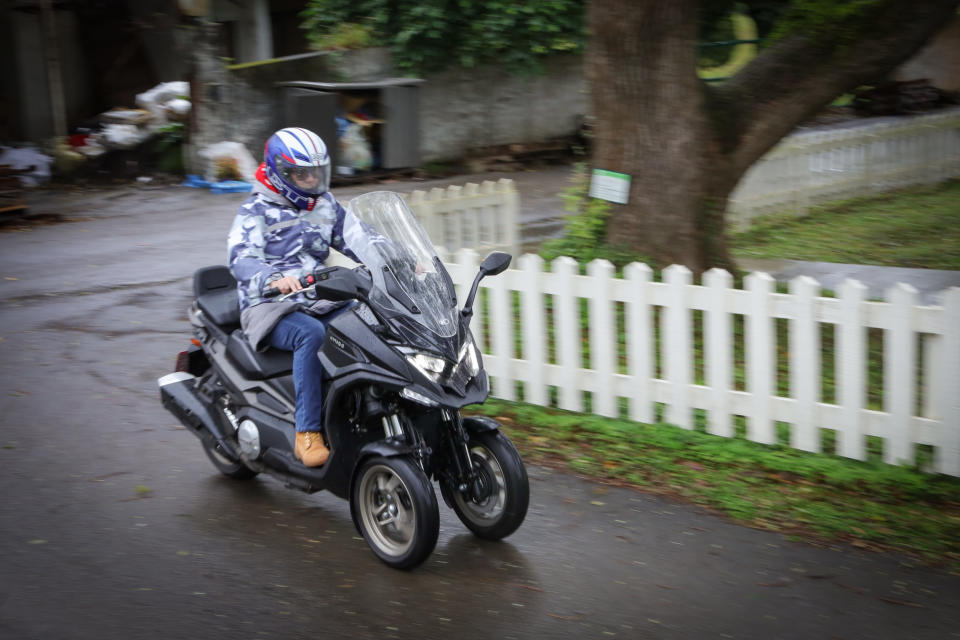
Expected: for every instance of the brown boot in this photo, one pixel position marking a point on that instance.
(310, 449)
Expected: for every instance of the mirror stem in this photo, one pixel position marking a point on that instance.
(468, 307)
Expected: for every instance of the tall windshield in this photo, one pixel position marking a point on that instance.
(391, 243)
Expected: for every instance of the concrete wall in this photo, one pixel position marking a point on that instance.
(460, 110)
(463, 110)
(938, 62)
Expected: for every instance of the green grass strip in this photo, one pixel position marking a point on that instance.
(818, 498)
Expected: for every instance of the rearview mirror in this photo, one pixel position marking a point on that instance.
(496, 262)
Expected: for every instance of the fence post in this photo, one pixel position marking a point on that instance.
(639, 341)
(899, 374)
(947, 454)
(718, 351)
(470, 215)
(501, 334)
(804, 363)
(677, 356)
(511, 215)
(761, 357)
(850, 365)
(455, 220)
(603, 337)
(534, 335)
(567, 330)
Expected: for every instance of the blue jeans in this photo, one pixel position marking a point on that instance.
(303, 334)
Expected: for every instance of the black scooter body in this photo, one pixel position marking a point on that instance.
(353, 354)
(393, 389)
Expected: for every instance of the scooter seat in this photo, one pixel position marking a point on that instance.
(215, 289)
(257, 365)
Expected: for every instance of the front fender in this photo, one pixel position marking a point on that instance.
(479, 424)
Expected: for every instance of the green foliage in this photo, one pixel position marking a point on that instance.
(169, 147)
(840, 21)
(434, 34)
(586, 226)
(346, 35)
(904, 228)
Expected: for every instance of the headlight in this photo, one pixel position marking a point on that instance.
(469, 357)
(434, 367)
(430, 366)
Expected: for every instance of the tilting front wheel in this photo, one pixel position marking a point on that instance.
(497, 504)
(396, 510)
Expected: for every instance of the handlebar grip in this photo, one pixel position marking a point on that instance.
(305, 281)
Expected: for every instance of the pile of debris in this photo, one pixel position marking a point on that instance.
(166, 104)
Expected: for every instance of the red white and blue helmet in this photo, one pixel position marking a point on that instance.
(297, 165)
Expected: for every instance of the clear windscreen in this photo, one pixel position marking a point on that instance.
(382, 231)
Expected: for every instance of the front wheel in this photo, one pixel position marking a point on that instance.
(499, 504)
(396, 510)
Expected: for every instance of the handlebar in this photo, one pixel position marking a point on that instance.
(332, 283)
(306, 282)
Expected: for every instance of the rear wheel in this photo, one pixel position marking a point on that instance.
(497, 505)
(225, 463)
(395, 509)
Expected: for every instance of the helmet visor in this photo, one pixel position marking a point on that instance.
(312, 180)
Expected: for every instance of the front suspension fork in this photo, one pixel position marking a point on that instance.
(470, 480)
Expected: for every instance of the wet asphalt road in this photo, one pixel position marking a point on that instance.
(113, 524)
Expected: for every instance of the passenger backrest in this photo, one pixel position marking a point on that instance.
(215, 289)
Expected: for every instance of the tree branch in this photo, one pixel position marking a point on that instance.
(797, 76)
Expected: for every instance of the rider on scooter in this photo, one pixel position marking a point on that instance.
(283, 232)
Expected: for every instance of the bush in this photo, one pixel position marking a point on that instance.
(585, 231)
(433, 34)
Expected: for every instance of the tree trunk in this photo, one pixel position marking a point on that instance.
(651, 125)
(686, 145)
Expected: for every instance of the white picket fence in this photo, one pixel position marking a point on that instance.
(819, 166)
(921, 353)
(482, 217)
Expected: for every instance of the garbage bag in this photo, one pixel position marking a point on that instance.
(227, 161)
(355, 151)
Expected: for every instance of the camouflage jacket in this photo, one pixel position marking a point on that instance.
(271, 239)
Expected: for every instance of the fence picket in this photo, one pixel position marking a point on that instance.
(534, 335)
(603, 336)
(947, 453)
(851, 365)
(501, 334)
(804, 364)
(567, 331)
(718, 367)
(639, 341)
(899, 377)
(761, 351)
(677, 356)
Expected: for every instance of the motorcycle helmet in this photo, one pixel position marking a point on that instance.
(297, 165)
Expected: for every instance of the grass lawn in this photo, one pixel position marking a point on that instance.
(915, 227)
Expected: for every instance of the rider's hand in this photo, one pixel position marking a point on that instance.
(287, 284)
